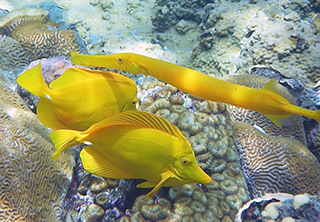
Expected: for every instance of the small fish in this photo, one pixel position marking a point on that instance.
(136, 145)
(80, 97)
(266, 100)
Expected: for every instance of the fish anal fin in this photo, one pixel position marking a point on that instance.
(164, 177)
(95, 163)
(280, 121)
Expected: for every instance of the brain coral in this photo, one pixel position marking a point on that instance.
(37, 35)
(273, 164)
(12, 54)
(32, 185)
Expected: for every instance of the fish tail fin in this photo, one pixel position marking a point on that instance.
(32, 80)
(63, 139)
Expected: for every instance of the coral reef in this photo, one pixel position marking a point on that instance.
(170, 13)
(294, 49)
(234, 37)
(273, 164)
(32, 184)
(281, 207)
(37, 35)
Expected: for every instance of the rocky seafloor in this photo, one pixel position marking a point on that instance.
(245, 154)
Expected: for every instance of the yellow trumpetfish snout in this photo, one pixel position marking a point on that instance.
(116, 61)
(266, 100)
(137, 145)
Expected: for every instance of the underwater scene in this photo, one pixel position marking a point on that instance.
(160, 110)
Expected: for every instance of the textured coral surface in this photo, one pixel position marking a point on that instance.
(37, 35)
(273, 164)
(32, 185)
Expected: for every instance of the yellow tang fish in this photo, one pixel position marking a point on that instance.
(266, 100)
(136, 145)
(79, 97)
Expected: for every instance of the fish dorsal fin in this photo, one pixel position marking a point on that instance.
(275, 87)
(112, 76)
(94, 162)
(147, 120)
(32, 80)
(77, 75)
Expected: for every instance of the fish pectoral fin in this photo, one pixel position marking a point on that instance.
(95, 163)
(164, 177)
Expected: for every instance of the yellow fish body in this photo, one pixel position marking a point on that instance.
(79, 97)
(266, 100)
(135, 145)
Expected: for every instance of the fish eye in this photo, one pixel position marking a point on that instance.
(133, 102)
(184, 161)
(120, 60)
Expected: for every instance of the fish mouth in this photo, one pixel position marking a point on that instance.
(206, 180)
(201, 177)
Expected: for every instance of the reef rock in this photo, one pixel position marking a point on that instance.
(281, 207)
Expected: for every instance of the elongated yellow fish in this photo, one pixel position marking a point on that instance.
(135, 145)
(80, 97)
(266, 100)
